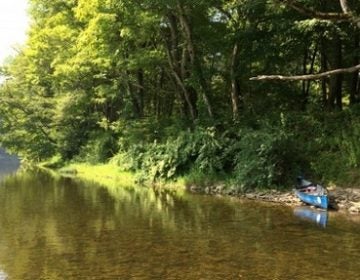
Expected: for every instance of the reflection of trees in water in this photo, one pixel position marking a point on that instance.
(64, 229)
(262, 240)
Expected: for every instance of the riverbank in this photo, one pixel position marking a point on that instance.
(111, 176)
(345, 200)
(340, 199)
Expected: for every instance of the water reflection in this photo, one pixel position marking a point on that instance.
(8, 164)
(3, 275)
(318, 216)
(65, 229)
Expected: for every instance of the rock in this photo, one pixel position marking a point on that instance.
(230, 191)
(194, 189)
(354, 210)
(219, 188)
(339, 199)
(250, 196)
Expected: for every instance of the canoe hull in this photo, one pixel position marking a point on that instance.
(321, 201)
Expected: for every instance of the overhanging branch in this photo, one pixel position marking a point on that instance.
(347, 14)
(307, 77)
(344, 6)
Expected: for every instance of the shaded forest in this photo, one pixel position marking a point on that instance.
(169, 88)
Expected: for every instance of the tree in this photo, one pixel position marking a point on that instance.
(346, 15)
(332, 97)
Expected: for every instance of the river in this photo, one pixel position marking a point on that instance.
(62, 228)
(8, 163)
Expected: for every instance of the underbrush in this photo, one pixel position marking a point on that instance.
(242, 156)
(324, 147)
(249, 158)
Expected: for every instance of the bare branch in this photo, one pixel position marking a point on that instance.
(307, 77)
(347, 15)
(344, 6)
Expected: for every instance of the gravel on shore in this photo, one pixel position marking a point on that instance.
(340, 199)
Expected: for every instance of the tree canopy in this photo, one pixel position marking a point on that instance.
(97, 76)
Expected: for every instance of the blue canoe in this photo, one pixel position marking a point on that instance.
(317, 200)
(313, 194)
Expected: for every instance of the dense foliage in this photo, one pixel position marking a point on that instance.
(162, 88)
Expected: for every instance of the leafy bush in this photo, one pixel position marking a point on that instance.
(131, 159)
(271, 153)
(340, 150)
(200, 149)
(98, 149)
(266, 158)
(350, 144)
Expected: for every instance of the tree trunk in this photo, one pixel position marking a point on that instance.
(194, 59)
(135, 104)
(140, 92)
(174, 40)
(235, 85)
(178, 67)
(354, 88)
(324, 68)
(308, 83)
(335, 98)
(185, 74)
(305, 58)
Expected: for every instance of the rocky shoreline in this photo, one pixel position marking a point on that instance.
(341, 199)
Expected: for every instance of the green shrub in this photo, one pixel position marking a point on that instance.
(98, 149)
(266, 158)
(131, 159)
(349, 142)
(200, 149)
(265, 154)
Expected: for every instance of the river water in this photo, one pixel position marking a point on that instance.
(8, 163)
(62, 228)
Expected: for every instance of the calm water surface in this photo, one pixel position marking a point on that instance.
(64, 229)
